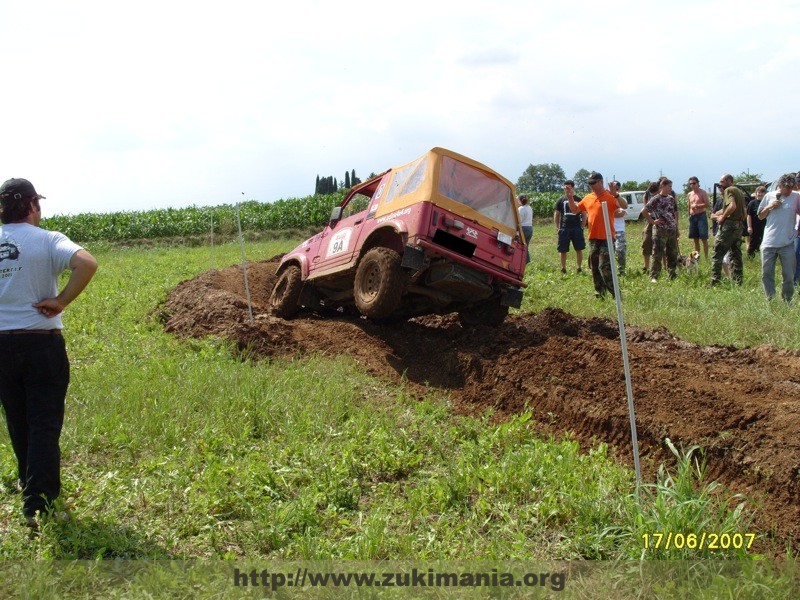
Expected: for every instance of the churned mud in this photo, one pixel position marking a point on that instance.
(741, 406)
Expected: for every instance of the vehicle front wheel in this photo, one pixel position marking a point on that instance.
(285, 297)
(378, 286)
(489, 312)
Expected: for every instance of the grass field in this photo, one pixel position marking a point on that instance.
(179, 450)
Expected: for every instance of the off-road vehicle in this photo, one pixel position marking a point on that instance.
(438, 235)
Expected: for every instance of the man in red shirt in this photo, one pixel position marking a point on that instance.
(592, 205)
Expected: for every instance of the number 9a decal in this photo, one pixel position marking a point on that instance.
(339, 243)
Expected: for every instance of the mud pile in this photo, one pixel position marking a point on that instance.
(742, 406)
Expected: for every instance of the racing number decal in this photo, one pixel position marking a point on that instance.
(339, 243)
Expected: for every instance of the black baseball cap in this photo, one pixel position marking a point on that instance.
(17, 189)
(594, 177)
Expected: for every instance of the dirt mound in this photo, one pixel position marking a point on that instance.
(742, 406)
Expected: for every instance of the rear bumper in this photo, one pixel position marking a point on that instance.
(454, 256)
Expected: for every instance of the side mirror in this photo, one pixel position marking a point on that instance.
(336, 215)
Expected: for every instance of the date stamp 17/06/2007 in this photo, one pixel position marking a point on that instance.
(705, 540)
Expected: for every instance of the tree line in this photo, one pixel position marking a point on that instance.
(550, 177)
(329, 184)
(544, 178)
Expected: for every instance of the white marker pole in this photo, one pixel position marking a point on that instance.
(244, 265)
(213, 262)
(613, 260)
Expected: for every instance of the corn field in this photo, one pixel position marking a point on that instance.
(294, 213)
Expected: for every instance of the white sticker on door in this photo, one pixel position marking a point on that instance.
(339, 243)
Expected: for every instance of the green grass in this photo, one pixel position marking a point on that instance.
(180, 450)
(726, 315)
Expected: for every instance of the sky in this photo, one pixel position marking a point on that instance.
(122, 106)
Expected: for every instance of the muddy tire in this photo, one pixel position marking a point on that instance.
(285, 297)
(489, 312)
(378, 286)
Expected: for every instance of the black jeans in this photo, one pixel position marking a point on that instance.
(34, 376)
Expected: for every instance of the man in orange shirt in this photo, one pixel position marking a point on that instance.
(592, 205)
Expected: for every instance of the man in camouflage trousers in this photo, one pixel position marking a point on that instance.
(662, 211)
(729, 235)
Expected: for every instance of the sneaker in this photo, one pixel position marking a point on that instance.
(644, 269)
(653, 280)
(579, 270)
(712, 283)
(563, 270)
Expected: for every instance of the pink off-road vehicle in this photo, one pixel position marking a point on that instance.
(438, 235)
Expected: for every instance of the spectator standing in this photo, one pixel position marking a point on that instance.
(729, 219)
(797, 241)
(662, 211)
(621, 244)
(569, 227)
(698, 220)
(599, 244)
(526, 221)
(647, 233)
(755, 226)
(780, 210)
(34, 368)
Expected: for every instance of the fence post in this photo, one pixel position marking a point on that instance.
(244, 264)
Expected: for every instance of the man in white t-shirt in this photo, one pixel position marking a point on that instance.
(526, 221)
(621, 243)
(780, 209)
(34, 368)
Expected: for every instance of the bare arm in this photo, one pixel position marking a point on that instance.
(83, 266)
(768, 209)
(557, 219)
(723, 214)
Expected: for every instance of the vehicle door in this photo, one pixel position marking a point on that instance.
(635, 205)
(339, 245)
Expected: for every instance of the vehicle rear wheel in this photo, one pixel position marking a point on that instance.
(378, 286)
(489, 312)
(285, 297)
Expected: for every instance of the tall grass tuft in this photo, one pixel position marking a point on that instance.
(684, 516)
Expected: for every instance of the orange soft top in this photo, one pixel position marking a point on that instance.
(456, 183)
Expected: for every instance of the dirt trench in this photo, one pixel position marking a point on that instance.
(742, 406)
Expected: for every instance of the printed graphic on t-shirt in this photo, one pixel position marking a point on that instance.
(9, 251)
